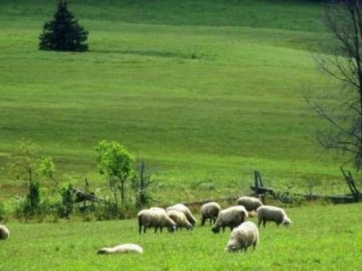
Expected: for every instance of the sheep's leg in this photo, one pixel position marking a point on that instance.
(264, 222)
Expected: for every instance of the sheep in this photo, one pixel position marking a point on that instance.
(183, 208)
(230, 217)
(180, 219)
(209, 211)
(158, 209)
(272, 213)
(4, 232)
(124, 248)
(154, 218)
(250, 203)
(242, 237)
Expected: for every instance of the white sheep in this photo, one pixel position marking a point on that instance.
(209, 211)
(180, 219)
(250, 203)
(242, 237)
(272, 213)
(230, 217)
(4, 232)
(183, 208)
(158, 209)
(156, 219)
(124, 248)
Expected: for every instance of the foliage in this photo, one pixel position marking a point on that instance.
(65, 207)
(116, 163)
(63, 33)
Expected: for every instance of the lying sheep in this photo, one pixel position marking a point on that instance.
(124, 248)
(230, 217)
(209, 211)
(272, 213)
(250, 203)
(4, 232)
(242, 237)
(180, 219)
(182, 208)
(156, 219)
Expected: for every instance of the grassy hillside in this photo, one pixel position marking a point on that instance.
(204, 91)
(316, 240)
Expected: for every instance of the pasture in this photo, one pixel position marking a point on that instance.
(320, 238)
(204, 100)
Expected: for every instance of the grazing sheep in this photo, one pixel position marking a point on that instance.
(4, 232)
(230, 217)
(154, 218)
(250, 203)
(183, 208)
(124, 248)
(158, 209)
(242, 237)
(209, 211)
(272, 213)
(180, 219)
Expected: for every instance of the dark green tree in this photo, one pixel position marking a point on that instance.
(63, 33)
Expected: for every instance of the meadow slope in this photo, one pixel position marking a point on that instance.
(204, 92)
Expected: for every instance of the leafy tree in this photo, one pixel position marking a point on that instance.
(117, 163)
(63, 33)
(343, 19)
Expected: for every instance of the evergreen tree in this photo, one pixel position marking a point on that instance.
(63, 33)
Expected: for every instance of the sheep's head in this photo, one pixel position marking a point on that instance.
(172, 228)
(231, 248)
(102, 251)
(286, 222)
(215, 229)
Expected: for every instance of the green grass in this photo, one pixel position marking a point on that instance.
(204, 91)
(320, 238)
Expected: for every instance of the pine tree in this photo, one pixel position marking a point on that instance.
(63, 33)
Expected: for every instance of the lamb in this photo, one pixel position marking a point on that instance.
(124, 248)
(272, 213)
(4, 232)
(242, 237)
(154, 218)
(209, 211)
(180, 219)
(182, 208)
(250, 203)
(230, 217)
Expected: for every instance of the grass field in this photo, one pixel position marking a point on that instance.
(205, 92)
(320, 238)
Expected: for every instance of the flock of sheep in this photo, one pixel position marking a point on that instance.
(244, 233)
